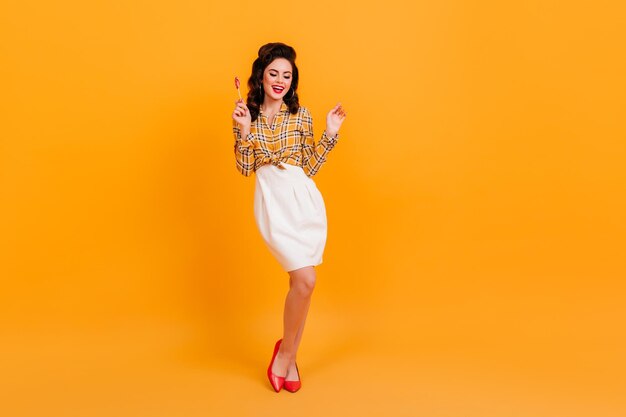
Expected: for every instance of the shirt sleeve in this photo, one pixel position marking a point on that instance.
(244, 151)
(314, 154)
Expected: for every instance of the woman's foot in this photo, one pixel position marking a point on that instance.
(283, 370)
(277, 381)
(292, 379)
(292, 372)
(280, 366)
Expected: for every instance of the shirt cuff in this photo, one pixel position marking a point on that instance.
(244, 143)
(332, 141)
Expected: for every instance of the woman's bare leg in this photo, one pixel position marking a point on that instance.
(297, 302)
(292, 372)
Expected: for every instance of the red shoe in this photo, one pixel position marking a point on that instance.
(276, 381)
(293, 386)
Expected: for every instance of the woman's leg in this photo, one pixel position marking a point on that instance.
(292, 371)
(297, 302)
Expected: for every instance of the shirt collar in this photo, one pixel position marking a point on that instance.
(283, 108)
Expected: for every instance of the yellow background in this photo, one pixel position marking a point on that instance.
(475, 258)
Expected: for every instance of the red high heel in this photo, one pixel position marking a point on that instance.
(276, 381)
(293, 386)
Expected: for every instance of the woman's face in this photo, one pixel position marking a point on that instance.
(277, 79)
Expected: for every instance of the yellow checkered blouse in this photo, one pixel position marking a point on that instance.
(289, 140)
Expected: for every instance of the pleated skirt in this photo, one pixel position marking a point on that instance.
(290, 214)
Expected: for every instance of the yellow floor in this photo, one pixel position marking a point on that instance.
(351, 364)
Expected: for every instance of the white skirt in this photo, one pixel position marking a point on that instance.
(290, 214)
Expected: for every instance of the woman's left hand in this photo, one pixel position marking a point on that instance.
(334, 119)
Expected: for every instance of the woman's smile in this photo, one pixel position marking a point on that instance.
(278, 89)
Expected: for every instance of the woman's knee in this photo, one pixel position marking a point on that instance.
(303, 280)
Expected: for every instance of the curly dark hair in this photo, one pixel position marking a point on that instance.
(268, 53)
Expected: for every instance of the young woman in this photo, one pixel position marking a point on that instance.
(274, 139)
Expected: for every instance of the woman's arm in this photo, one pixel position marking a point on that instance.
(244, 149)
(315, 154)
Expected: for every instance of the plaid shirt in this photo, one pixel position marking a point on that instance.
(289, 140)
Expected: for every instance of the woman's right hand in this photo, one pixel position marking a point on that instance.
(241, 115)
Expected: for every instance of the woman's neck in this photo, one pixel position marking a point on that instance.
(270, 105)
